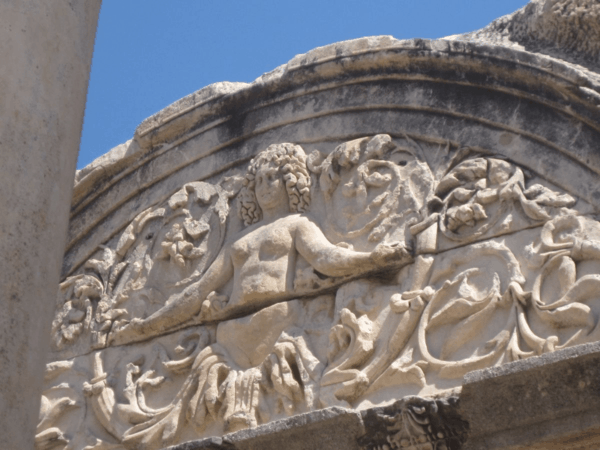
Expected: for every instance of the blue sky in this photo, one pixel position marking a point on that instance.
(150, 53)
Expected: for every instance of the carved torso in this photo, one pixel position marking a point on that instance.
(293, 314)
(263, 260)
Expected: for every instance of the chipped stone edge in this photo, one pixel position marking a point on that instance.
(494, 439)
(120, 157)
(525, 19)
(534, 362)
(277, 426)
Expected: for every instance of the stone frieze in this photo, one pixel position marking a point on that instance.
(383, 268)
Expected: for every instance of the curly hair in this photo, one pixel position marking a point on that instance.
(291, 160)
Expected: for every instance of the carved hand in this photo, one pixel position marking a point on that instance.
(212, 305)
(129, 331)
(385, 254)
(138, 325)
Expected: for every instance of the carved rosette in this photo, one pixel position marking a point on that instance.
(415, 423)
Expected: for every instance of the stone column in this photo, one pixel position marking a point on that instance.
(46, 51)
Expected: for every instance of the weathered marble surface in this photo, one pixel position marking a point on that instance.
(381, 269)
(419, 87)
(46, 51)
(545, 402)
(370, 222)
(567, 30)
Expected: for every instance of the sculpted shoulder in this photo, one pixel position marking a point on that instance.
(290, 222)
(302, 221)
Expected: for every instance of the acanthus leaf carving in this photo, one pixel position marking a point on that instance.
(370, 197)
(164, 249)
(387, 264)
(479, 192)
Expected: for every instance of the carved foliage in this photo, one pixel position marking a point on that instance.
(164, 249)
(504, 268)
(370, 196)
(481, 194)
(415, 423)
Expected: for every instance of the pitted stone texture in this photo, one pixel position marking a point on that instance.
(327, 429)
(542, 403)
(546, 402)
(415, 423)
(214, 443)
(46, 49)
(305, 103)
(383, 268)
(407, 212)
(435, 425)
(564, 29)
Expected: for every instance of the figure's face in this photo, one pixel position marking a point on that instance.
(270, 189)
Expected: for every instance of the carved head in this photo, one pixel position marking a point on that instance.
(290, 162)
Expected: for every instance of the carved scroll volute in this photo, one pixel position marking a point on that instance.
(371, 193)
(494, 268)
(415, 423)
(165, 248)
(480, 195)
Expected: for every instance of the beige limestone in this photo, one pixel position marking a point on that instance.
(568, 30)
(349, 280)
(46, 50)
(373, 220)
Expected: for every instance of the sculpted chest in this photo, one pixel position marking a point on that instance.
(430, 146)
(267, 243)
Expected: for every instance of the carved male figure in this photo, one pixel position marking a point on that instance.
(261, 261)
(261, 258)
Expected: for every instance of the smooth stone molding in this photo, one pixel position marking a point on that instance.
(46, 51)
(530, 108)
(545, 402)
(542, 403)
(330, 250)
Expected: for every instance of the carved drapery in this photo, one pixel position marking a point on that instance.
(412, 264)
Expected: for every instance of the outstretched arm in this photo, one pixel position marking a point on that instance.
(188, 303)
(334, 261)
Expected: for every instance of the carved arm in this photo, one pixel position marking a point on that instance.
(187, 304)
(335, 261)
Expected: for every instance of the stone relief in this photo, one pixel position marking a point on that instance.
(415, 423)
(385, 268)
(164, 249)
